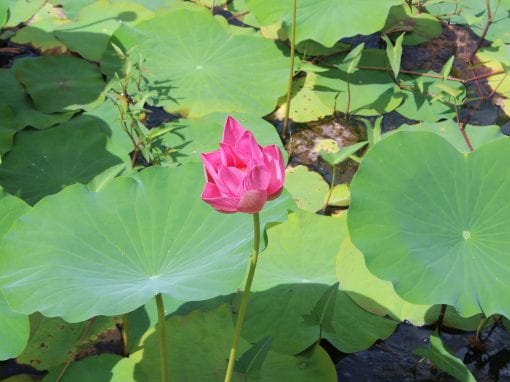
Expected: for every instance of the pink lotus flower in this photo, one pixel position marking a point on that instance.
(242, 175)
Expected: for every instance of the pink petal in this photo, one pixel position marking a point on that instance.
(252, 201)
(232, 131)
(274, 162)
(229, 180)
(257, 178)
(211, 162)
(231, 157)
(249, 146)
(212, 196)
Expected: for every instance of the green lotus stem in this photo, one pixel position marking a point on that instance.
(244, 300)
(330, 189)
(162, 338)
(125, 336)
(291, 71)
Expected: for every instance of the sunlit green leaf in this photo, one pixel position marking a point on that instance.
(436, 227)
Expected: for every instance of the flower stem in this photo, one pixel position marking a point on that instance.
(244, 300)
(291, 71)
(162, 338)
(125, 336)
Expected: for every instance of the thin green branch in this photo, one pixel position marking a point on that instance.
(244, 299)
(291, 71)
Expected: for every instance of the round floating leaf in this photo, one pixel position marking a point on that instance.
(200, 342)
(305, 105)
(449, 130)
(90, 35)
(15, 326)
(60, 83)
(474, 14)
(419, 27)
(436, 222)
(38, 33)
(43, 162)
(325, 21)
(289, 285)
(53, 341)
(372, 92)
(199, 67)
(306, 187)
(379, 297)
(13, 95)
(21, 10)
(81, 254)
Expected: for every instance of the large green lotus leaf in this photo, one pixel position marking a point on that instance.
(200, 341)
(379, 297)
(42, 162)
(7, 128)
(190, 137)
(422, 105)
(14, 326)
(325, 21)
(305, 105)
(107, 116)
(206, 335)
(419, 27)
(4, 13)
(293, 273)
(90, 35)
(80, 254)
(497, 58)
(60, 83)
(53, 341)
(13, 95)
(438, 225)
(307, 188)
(474, 14)
(372, 91)
(213, 70)
(39, 31)
(449, 130)
(21, 10)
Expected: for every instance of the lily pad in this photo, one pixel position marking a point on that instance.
(288, 285)
(307, 188)
(372, 92)
(15, 326)
(81, 254)
(53, 341)
(306, 105)
(44, 162)
(90, 34)
(200, 342)
(438, 227)
(21, 10)
(419, 27)
(7, 128)
(474, 14)
(212, 70)
(39, 32)
(379, 297)
(60, 83)
(324, 21)
(12, 94)
(449, 130)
